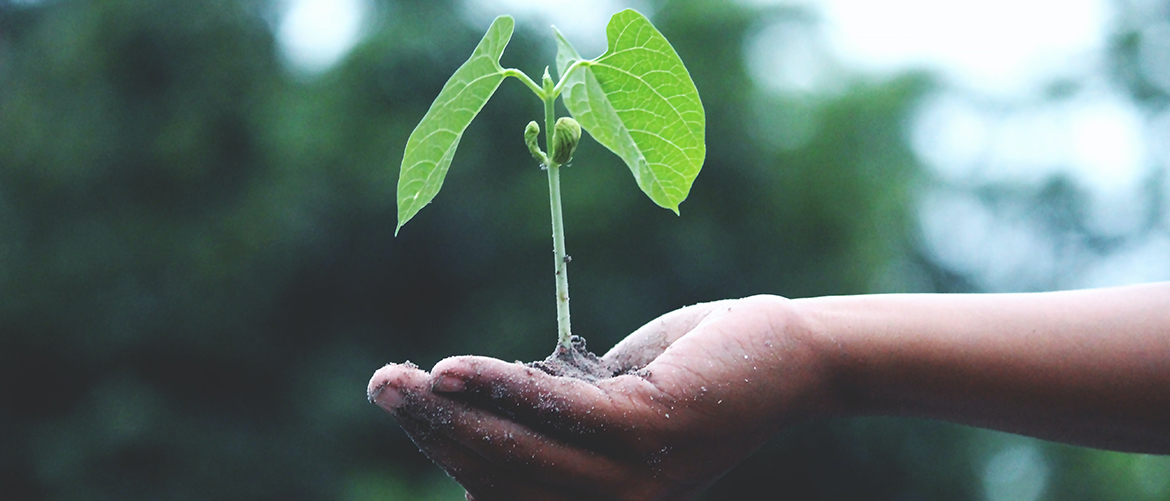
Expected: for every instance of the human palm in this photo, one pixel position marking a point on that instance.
(702, 388)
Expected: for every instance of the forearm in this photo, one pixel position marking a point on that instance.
(1083, 367)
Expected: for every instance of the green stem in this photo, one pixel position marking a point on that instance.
(580, 63)
(521, 76)
(564, 332)
(546, 93)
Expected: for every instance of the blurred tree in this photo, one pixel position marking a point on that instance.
(198, 274)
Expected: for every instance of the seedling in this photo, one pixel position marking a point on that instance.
(637, 99)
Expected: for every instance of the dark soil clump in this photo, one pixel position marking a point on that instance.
(577, 362)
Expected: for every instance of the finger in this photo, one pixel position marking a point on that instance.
(647, 342)
(483, 479)
(529, 453)
(566, 408)
(390, 385)
(404, 391)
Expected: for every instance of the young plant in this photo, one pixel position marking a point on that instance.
(637, 99)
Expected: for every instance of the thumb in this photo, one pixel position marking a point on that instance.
(648, 342)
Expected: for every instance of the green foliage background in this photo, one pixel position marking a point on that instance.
(198, 275)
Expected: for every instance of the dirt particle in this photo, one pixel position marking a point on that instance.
(577, 362)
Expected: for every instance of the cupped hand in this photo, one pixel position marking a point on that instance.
(703, 387)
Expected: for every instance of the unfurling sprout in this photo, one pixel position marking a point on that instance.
(566, 135)
(530, 134)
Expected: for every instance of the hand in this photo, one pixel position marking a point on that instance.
(710, 383)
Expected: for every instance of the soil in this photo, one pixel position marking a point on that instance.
(577, 362)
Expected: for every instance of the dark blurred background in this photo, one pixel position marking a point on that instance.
(198, 272)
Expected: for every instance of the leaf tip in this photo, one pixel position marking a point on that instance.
(403, 220)
(560, 37)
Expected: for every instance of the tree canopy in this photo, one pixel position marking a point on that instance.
(198, 271)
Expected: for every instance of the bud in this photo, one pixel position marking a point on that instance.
(566, 135)
(531, 132)
(547, 81)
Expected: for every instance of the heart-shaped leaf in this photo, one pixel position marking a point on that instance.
(639, 101)
(432, 144)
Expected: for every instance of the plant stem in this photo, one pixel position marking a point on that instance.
(564, 332)
(580, 63)
(521, 76)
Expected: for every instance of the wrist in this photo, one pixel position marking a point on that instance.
(827, 331)
(806, 380)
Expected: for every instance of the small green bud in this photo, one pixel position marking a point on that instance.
(547, 81)
(566, 135)
(530, 134)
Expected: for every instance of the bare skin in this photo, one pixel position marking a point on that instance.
(719, 379)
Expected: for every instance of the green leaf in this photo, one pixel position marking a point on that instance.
(639, 101)
(431, 146)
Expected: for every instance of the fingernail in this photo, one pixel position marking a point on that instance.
(386, 396)
(447, 384)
